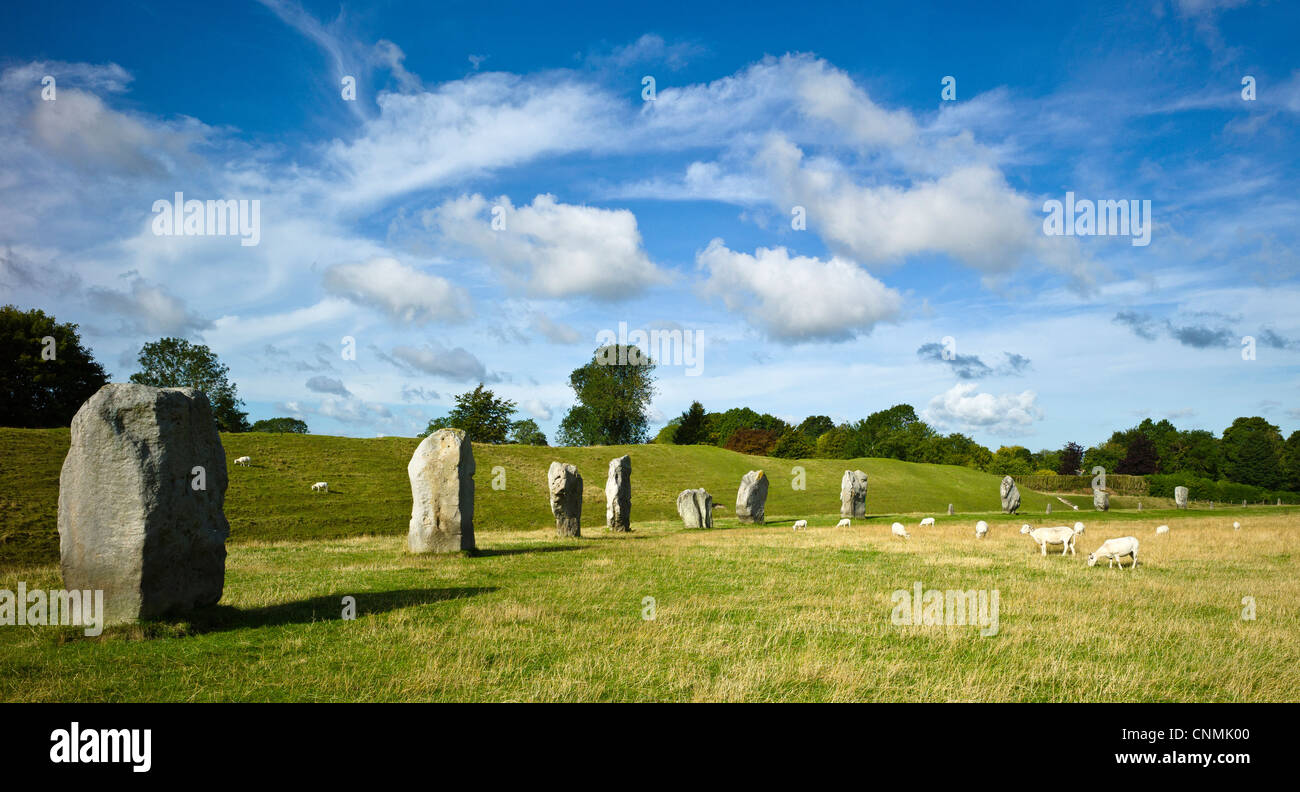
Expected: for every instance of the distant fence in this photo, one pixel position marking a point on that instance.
(1116, 484)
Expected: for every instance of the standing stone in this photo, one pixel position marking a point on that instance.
(751, 498)
(442, 494)
(696, 508)
(1101, 500)
(618, 494)
(853, 494)
(1139, 505)
(950, 512)
(1049, 508)
(566, 498)
(1180, 497)
(1010, 495)
(140, 502)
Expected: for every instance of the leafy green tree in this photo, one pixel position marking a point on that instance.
(1107, 455)
(1140, 457)
(1195, 452)
(527, 432)
(753, 441)
(1011, 461)
(40, 388)
(721, 426)
(1252, 453)
(480, 414)
(612, 399)
(814, 426)
(834, 443)
(794, 444)
(668, 434)
(289, 425)
(1071, 461)
(691, 427)
(1291, 463)
(177, 363)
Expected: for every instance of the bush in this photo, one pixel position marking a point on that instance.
(753, 441)
(794, 444)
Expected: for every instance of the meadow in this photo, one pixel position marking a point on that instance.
(740, 613)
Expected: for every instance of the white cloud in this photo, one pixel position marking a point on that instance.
(797, 298)
(553, 331)
(557, 249)
(437, 360)
(147, 309)
(403, 293)
(961, 408)
(323, 384)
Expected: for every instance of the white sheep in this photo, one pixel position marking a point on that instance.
(843, 523)
(1162, 529)
(244, 461)
(320, 486)
(1078, 527)
(1060, 534)
(898, 530)
(800, 524)
(1236, 526)
(1116, 549)
(927, 521)
(981, 529)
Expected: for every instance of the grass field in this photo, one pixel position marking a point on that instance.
(741, 612)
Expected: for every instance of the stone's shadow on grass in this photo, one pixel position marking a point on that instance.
(509, 551)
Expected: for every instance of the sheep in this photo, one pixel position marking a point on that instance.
(244, 461)
(843, 523)
(1061, 534)
(898, 530)
(800, 524)
(1162, 529)
(981, 529)
(1078, 527)
(1115, 550)
(1236, 526)
(927, 521)
(320, 486)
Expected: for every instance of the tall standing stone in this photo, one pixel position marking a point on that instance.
(696, 508)
(1101, 500)
(442, 494)
(1180, 497)
(566, 498)
(140, 502)
(950, 511)
(853, 494)
(618, 494)
(751, 498)
(1049, 508)
(1010, 495)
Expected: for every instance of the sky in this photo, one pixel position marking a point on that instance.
(836, 207)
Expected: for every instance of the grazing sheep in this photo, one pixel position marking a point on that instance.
(244, 461)
(800, 524)
(1061, 534)
(1160, 529)
(927, 521)
(981, 529)
(1116, 549)
(843, 523)
(320, 486)
(1078, 527)
(1236, 526)
(898, 530)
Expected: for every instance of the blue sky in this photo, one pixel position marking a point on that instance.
(924, 216)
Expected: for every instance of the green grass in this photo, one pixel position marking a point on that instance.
(753, 613)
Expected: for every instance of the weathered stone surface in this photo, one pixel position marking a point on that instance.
(696, 508)
(442, 494)
(1180, 497)
(1049, 508)
(950, 511)
(140, 502)
(1101, 500)
(1010, 495)
(751, 498)
(566, 498)
(853, 494)
(618, 494)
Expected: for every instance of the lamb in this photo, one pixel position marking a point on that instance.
(1116, 549)
(1162, 529)
(244, 461)
(1061, 534)
(843, 523)
(898, 530)
(927, 521)
(800, 524)
(320, 486)
(981, 529)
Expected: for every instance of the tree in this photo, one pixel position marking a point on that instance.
(1071, 459)
(691, 427)
(721, 426)
(814, 426)
(176, 363)
(1196, 452)
(1011, 461)
(40, 388)
(759, 442)
(1140, 459)
(834, 444)
(613, 391)
(668, 434)
(289, 425)
(1252, 453)
(1107, 455)
(479, 414)
(794, 444)
(527, 432)
(1291, 463)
